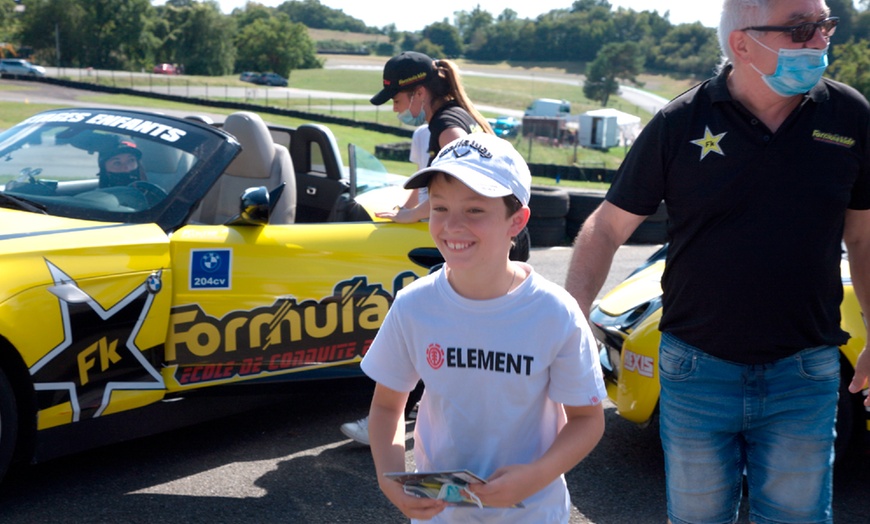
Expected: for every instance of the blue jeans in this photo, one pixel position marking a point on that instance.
(775, 422)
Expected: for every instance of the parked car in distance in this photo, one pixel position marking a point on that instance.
(165, 69)
(549, 107)
(271, 79)
(17, 66)
(249, 76)
(505, 126)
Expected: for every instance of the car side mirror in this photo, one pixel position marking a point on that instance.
(255, 206)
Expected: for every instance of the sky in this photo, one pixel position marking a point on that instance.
(414, 16)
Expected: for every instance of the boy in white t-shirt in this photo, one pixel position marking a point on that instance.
(513, 385)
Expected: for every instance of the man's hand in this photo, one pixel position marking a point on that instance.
(862, 374)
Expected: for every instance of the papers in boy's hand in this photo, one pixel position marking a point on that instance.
(445, 485)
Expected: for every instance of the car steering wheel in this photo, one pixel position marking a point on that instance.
(153, 193)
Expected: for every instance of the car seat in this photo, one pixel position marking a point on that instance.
(261, 163)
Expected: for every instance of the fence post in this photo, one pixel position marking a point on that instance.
(531, 138)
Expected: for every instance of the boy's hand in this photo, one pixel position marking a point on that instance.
(508, 486)
(411, 506)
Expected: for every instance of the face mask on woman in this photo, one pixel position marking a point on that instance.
(119, 179)
(407, 118)
(797, 70)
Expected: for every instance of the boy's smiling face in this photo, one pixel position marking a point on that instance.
(470, 230)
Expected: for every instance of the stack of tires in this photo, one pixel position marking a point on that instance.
(581, 205)
(653, 230)
(558, 214)
(547, 224)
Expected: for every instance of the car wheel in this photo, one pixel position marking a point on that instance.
(8, 423)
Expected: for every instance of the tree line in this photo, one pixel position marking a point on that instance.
(609, 45)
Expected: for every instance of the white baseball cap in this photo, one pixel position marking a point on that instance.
(487, 164)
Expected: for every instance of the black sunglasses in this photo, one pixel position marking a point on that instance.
(802, 32)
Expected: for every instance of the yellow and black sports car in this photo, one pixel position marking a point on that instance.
(147, 256)
(626, 324)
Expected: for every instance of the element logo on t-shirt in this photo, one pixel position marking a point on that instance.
(709, 143)
(435, 356)
(476, 358)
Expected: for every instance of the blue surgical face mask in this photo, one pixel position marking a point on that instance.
(797, 70)
(407, 118)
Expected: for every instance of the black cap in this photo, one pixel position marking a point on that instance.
(121, 146)
(403, 71)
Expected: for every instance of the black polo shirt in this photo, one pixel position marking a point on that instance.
(448, 115)
(755, 217)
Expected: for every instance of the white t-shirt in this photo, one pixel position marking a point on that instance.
(420, 147)
(420, 156)
(496, 373)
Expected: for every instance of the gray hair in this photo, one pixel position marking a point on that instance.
(737, 14)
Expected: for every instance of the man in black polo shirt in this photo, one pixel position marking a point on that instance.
(764, 169)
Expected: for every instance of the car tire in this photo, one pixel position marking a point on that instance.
(520, 250)
(653, 230)
(8, 423)
(548, 202)
(547, 232)
(649, 233)
(580, 205)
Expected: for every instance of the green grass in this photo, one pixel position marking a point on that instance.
(500, 92)
(13, 112)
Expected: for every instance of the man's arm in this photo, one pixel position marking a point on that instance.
(607, 228)
(857, 238)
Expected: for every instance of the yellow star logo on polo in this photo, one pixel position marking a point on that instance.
(710, 143)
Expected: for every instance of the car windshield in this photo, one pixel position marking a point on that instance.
(101, 164)
(371, 173)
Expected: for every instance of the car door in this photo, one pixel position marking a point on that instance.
(284, 302)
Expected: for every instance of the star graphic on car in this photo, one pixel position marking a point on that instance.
(98, 354)
(709, 143)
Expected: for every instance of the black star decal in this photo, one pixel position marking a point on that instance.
(98, 354)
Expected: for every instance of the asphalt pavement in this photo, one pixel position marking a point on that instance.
(286, 461)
